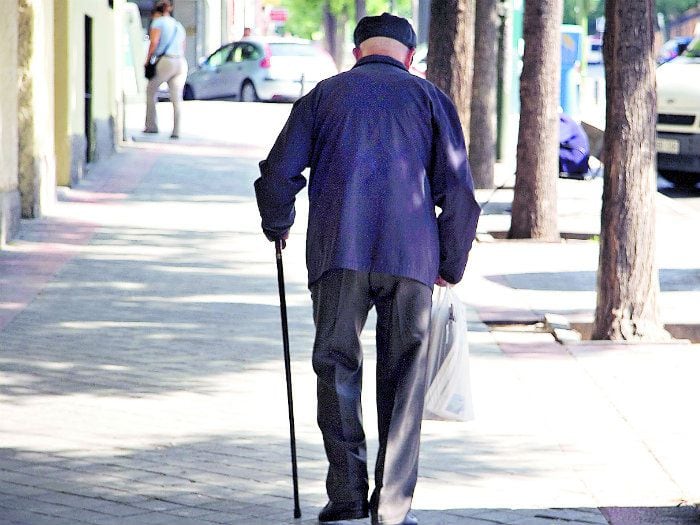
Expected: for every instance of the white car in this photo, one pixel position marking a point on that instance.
(678, 119)
(252, 69)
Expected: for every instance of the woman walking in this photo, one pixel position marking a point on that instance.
(167, 47)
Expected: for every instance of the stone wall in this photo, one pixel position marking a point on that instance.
(37, 159)
(9, 191)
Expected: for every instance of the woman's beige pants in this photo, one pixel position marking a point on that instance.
(172, 70)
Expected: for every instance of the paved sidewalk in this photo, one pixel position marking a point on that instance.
(141, 379)
(561, 277)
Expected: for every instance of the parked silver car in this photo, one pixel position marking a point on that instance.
(255, 69)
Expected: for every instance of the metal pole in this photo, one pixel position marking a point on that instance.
(288, 375)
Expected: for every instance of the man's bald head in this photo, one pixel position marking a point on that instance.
(381, 45)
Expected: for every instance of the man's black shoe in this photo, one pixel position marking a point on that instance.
(344, 510)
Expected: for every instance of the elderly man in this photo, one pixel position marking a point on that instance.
(385, 148)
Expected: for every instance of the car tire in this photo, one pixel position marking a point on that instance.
(248, 92)
(681, 179)
(188, 93)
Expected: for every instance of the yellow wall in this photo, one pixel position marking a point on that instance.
(44, 71)
(103, 25)
(37, 174)
(69, 36)
(63, 108)
(8, 99)
(10, 204)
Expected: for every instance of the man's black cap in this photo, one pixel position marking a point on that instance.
(386, 25)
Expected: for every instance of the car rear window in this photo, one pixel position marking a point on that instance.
(294, 50)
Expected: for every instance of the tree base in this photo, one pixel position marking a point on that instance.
(534, 236)
(632, 330)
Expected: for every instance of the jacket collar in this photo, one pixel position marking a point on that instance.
(379, 59)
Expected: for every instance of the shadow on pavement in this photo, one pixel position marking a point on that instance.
(167, 317)
(683, 515)
(672, 280)
(168, 286)
(143, 383)
(243, 478)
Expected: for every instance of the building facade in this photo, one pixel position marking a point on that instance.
(60, 75)
(88, 44)
(65, 70)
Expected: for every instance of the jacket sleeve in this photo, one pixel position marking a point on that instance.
(280, 174)
(452, 190)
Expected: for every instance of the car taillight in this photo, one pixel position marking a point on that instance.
(265, 62)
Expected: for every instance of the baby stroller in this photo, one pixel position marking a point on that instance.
(574, 149)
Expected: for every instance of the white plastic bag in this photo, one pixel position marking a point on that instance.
(448, 386)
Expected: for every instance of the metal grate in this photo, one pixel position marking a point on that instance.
(676, 120)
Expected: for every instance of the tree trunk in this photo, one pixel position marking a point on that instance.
(360, 10)
(334, 26)
(451, 53)
(28, 181)
(628, 280)
(482, 143)
(534, 212)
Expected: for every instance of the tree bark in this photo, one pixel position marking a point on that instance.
(534, 213)
(628, 280)
(334, 26)
(482, 143)
(451, 53)
(360, 10)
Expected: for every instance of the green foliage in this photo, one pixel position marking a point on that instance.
(673, 8)
(599, 10)
(669, 8)
(306, 16)
(576, 10)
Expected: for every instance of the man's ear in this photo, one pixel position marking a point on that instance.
(357, 53)
(409, 57)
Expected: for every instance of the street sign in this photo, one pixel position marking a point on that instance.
(279, 14)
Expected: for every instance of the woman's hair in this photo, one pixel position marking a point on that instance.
(163, 6)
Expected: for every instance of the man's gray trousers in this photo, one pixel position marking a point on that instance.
(342, 300)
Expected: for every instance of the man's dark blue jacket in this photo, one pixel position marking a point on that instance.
(385, 148)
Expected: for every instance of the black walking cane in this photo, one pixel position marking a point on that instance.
(288, 374)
